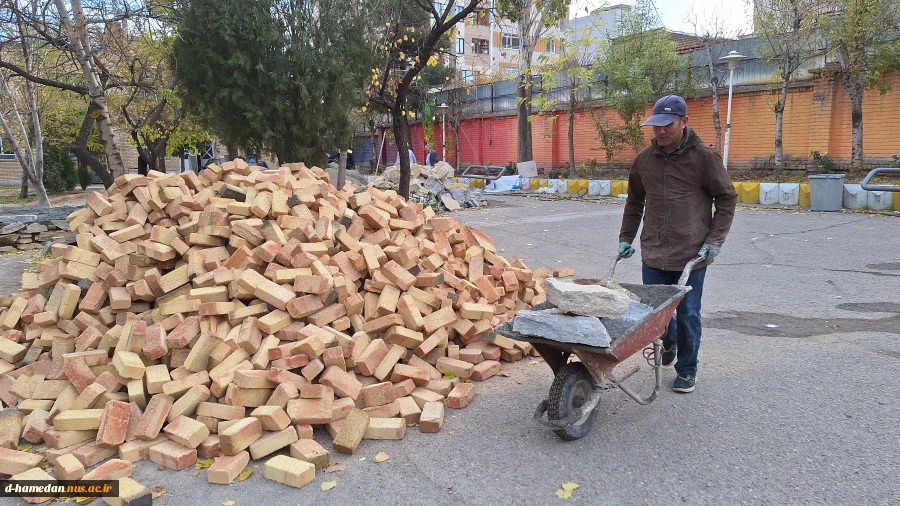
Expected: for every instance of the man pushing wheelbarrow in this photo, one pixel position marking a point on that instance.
(672, 188)
(673, 185)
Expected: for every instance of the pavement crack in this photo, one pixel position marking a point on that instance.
(816, 229)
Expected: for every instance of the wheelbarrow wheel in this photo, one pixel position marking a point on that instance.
(571, 389)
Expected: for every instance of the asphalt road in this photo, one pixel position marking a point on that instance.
(805, 413)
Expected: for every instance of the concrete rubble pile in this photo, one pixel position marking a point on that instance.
(229, 315)
(430, 183)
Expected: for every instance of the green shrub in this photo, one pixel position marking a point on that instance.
(59, 171)
(85, 176)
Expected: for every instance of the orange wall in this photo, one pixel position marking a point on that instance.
(817, 118)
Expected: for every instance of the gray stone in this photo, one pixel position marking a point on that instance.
(12, 227)
(586, 300)
(450, 203)
(35, 228)
(30, 246)
(556, 326)
(6, 240)
(61, 224)
(24, 239)
(8, 249)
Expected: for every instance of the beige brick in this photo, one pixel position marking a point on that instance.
(310, 451)
(378, 394)
(240, 435)
(173, 455)
(458, 368)
(342, 382)
(373, 355)
(272, 442)
(34, 474)
(432, 418)
(110, 470)
(351, 432)
(409, 410)
(187, 404)
(289, 471)
(138, 449)
(386, 428)
(311, 411)
(221, 411)
(67, 467)
(128, 364)
(186, 431)
(226, 468)
(15, 462)
(78, 419)
(485, 370)
(273, 418)
(403, 371)
(422, 396)
(130, 493)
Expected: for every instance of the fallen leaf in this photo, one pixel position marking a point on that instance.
(196, 473)
(24, 448)
(533, 362)
(245, 473)
(228, 503)
(334, 468)
(570, 486)
(157, 491)
(381, 457)
(449, 375)
(84, 500)
(505, 374)
(362, 459)
(161, 468)
(328, 485)
(563, 494)
(203, 463)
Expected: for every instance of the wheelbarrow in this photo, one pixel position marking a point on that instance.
(572, 405)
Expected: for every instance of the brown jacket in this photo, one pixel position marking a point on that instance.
(674, 194)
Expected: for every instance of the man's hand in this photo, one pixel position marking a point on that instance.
(709, 251)
(625, 250)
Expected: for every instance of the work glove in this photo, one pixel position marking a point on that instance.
(710, 251)
(625, 250)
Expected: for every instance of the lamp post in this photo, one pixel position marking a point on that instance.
(443, 108)
(733, 58)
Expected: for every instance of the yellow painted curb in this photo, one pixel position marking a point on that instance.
(750, 193)
(804, 195)
(578, 186)
(618, 187)
(477, 183)
(896, 202)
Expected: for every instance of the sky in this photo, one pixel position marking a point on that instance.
(736, 14)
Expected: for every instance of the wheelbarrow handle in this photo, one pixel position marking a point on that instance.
(686, 273)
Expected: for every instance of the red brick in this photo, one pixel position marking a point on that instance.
(173, 455)
(344, 383)
(154, 417)
(114, 423)
(461, 395)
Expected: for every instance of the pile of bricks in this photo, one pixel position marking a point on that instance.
(230, 314)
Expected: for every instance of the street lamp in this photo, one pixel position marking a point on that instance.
(443, 108)
(733, 58)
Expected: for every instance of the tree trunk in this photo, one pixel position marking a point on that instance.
(342, 170)
(523, 105)
(78, 37)
(572, 130)
(714, 87)
(397, 120)
(79, 147)
(23, 189)
(779, 129)
(856, 87)
(160, 150)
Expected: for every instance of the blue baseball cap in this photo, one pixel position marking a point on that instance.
(665, 110)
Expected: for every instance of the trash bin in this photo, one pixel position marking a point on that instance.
(826, 191)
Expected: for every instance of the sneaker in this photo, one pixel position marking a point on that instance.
(668, 356)
(683, 384)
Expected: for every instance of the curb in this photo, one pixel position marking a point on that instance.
(758, 193)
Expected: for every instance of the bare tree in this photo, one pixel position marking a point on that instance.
(712, 29)
(76, 29)
(788, 28)
(29, 143)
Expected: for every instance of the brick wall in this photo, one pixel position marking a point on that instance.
(817, 118)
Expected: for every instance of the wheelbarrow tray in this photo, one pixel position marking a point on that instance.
(627, 337)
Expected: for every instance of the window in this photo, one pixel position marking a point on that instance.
(480, 17)
(551, 47)
(467, 75)
(460, 45)
(510, 41)
(479, 46)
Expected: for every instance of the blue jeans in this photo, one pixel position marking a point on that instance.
(684, 329)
